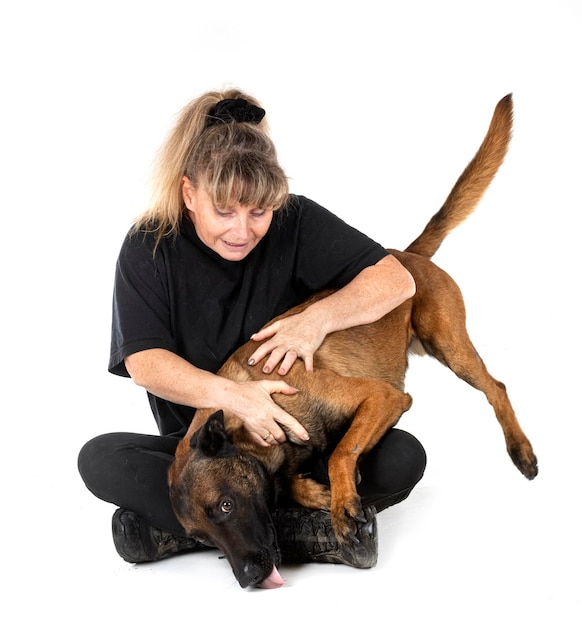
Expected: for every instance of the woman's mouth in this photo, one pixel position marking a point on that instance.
(234, 246)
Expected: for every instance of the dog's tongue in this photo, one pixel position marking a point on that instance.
(273, 580)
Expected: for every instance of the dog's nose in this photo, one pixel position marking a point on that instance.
(252, 574)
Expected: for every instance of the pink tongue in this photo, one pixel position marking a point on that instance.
(273, 580)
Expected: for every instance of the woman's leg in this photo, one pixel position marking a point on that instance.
(130, 470)
(390, 471)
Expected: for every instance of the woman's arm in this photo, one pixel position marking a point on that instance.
(172, 378)
(374, 292)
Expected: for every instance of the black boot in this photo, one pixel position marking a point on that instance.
(306, 535)
(138, 542)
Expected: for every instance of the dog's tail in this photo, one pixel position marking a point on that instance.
(472, 183)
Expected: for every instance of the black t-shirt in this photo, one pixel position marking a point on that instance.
(187, 299)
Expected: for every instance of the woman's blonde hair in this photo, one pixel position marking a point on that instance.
(236, 162)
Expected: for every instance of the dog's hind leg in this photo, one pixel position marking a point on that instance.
(442, 331)
(309, 493)
(468, 365)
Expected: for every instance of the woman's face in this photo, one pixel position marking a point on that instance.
(233, 231)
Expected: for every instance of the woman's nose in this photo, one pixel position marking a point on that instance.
(241, 228)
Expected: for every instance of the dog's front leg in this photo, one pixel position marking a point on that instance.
(380, 409)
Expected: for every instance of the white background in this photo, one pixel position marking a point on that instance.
(375, 107)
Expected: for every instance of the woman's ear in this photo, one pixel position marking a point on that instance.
(188, 192)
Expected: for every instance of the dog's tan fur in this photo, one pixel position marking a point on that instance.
(359, 373)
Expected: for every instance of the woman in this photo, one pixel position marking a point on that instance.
(222, 249)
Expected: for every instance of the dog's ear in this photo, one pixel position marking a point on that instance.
(212, 438)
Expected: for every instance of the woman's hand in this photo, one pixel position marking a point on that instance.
(288, 339)
(374, 292)
(261, 416)
(169, 376)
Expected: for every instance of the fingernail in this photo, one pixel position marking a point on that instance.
(267, 370)
(251, 361)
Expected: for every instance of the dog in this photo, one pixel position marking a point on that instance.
(223, 487)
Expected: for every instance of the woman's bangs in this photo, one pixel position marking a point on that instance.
(256, 190)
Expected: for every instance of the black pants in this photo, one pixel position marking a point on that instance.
(130, 471)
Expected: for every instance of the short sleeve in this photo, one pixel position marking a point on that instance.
(141, 317)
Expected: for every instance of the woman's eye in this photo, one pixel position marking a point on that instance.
(226, 506)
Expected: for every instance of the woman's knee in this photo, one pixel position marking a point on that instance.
(96, 456)
(395, 465)
(412, 456)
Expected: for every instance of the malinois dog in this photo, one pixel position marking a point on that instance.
(224, 487)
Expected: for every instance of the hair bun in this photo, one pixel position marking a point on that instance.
(235, 110)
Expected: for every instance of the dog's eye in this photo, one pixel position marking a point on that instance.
(226, 505)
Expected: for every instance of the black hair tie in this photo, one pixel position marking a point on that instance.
(235, 110)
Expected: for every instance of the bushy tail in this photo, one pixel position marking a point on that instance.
(472, 183)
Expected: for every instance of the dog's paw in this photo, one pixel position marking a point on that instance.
(524, 459)
(346, 516)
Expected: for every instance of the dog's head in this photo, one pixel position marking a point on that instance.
(225, 497)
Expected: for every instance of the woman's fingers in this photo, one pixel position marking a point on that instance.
(281, 417)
